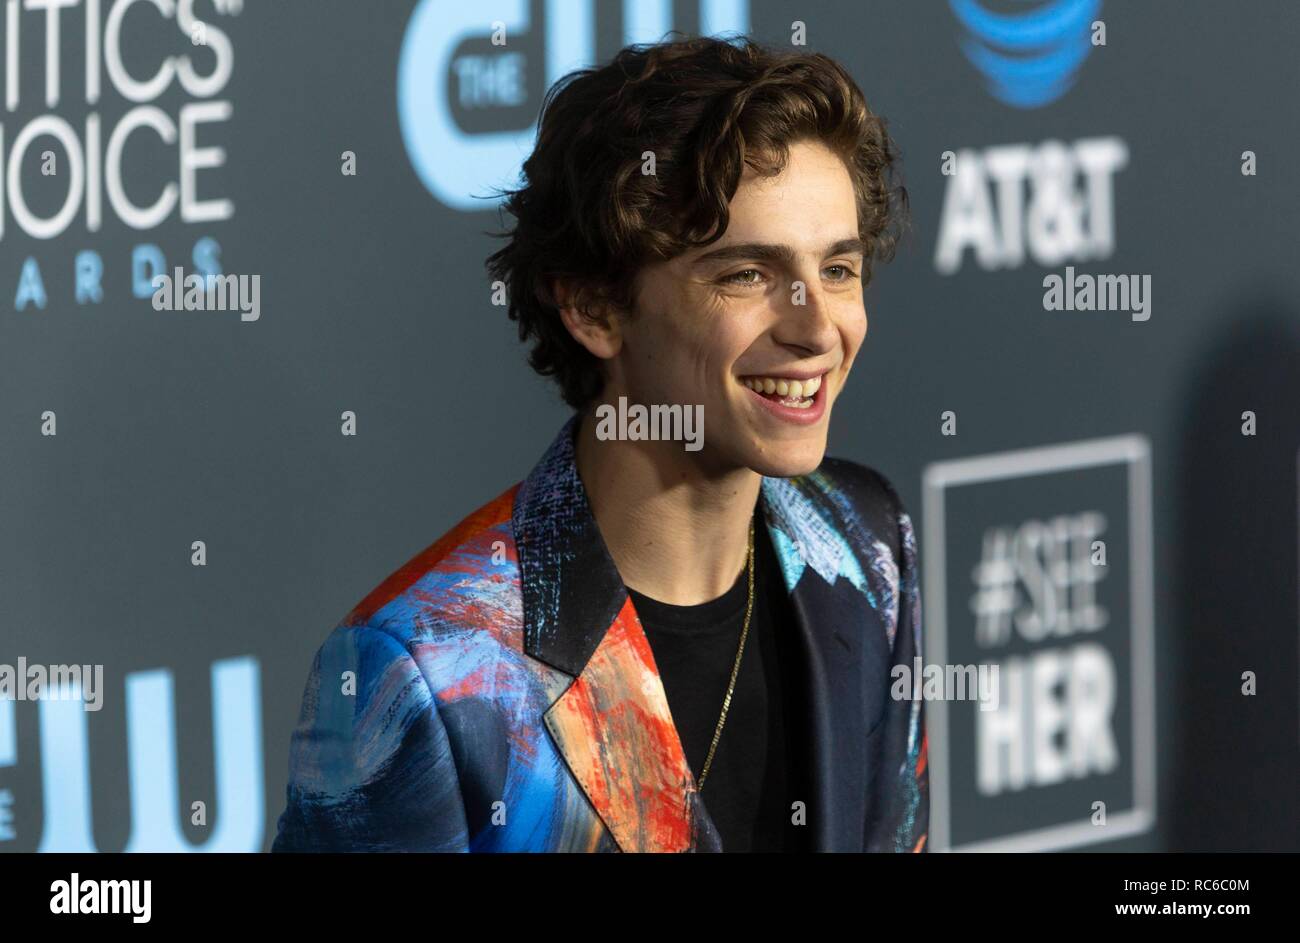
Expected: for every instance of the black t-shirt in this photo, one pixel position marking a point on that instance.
(760, 766)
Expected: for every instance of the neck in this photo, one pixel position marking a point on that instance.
(676, 532)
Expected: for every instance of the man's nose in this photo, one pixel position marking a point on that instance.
(806, 319)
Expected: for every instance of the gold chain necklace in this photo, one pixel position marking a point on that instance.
(735, 669)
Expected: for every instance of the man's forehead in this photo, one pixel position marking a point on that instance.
(805, 218)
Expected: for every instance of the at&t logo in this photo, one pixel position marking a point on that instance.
(1029, 58)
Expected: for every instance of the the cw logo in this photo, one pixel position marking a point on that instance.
(457, 166)
(151, 745)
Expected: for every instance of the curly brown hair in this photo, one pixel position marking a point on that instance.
(705, 108)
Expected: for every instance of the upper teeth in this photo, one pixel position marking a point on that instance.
(783, 387)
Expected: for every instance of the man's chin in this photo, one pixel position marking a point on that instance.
(790, 465)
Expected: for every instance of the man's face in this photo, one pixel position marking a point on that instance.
(775, 306)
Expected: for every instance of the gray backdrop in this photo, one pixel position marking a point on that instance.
(182, 426)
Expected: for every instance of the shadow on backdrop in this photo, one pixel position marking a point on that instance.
(1235, 781)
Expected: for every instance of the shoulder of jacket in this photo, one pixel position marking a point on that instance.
(476, 553)
(870, 497)
(863, 484)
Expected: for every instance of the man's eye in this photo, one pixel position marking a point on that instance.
(845, 273)
(739, 278)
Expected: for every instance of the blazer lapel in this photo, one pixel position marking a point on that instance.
(833, 598)
(612, 723)
(617, 735)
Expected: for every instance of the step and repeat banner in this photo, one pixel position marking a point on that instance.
(250, 363)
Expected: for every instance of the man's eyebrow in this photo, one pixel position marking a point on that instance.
(776, 252)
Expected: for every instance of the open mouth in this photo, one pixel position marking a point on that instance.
(792, 394)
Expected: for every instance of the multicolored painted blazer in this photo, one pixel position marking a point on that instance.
(497, 692)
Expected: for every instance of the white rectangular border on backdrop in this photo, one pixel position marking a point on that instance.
(1135, 451)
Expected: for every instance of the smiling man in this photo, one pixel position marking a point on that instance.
(645, 647)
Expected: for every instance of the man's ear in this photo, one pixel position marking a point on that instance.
(598, 327)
